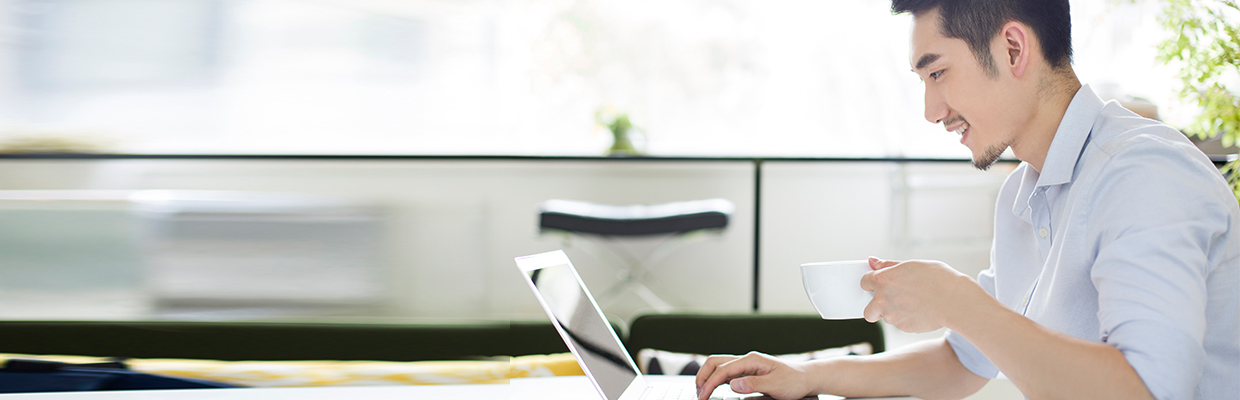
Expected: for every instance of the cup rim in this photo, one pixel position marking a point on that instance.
(825, 263)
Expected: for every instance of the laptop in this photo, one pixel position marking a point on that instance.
(587, 333)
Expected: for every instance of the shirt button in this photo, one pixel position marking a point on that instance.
(1043, 232)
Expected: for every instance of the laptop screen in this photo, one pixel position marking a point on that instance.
(601, 353)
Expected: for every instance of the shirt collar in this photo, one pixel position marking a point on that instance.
(1028, 181)
(1070, 138)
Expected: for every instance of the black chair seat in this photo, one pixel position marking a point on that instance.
(741, 333)
(635, 220)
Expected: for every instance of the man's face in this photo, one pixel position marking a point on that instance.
(959, 93)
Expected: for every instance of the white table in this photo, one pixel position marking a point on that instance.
(578, 387)
(465, 392)
(555, 388)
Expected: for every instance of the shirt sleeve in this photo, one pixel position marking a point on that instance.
(970, 356)
(1155, 220)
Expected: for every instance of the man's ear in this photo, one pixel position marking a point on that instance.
(1017, 48)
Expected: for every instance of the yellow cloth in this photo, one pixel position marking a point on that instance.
(344, 373)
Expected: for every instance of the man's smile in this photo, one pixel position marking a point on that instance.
(961, 129)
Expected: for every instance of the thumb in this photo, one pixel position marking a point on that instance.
(748, 384)
(878, 263)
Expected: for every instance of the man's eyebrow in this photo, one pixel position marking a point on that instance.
(926, 59)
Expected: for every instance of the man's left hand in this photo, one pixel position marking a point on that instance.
(917, 296)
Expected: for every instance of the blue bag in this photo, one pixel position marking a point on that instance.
(25, 376)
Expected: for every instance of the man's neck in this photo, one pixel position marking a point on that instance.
(1035, 142)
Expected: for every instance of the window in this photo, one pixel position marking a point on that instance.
(700, 77)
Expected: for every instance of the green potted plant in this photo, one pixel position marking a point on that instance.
(620, 127)
(1206, 41)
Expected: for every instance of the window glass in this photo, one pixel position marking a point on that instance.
(698, 77)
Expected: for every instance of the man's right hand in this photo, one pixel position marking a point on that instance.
(753, 373)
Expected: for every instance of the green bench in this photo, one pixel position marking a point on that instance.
(231, 341)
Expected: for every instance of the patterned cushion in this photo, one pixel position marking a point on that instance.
(344, 373)
(659, 362)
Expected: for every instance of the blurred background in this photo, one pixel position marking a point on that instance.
(376, 160)
(699, 77)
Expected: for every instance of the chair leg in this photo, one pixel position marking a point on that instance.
(653, 299)
(642, 291)
(632, 269)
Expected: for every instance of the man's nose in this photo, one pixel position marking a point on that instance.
(936, 108)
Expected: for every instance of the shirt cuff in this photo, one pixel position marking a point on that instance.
(971, 357)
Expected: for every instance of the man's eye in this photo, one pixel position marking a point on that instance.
(936, 74)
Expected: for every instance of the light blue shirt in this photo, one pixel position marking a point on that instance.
(1125, 238)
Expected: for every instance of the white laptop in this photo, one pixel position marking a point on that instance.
(588, 334)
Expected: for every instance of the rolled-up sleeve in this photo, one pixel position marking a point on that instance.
(970, 356)
(1151, 268)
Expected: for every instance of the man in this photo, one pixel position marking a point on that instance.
(1114, 267)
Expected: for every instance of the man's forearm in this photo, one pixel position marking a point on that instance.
(1045, 364)
(929, 370)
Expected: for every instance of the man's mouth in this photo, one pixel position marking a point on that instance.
(963, 131)
(960, 129)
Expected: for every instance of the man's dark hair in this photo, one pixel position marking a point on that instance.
(978, 21)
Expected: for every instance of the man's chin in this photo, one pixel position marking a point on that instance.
(978, 159)
(988, 158)
(983, 164)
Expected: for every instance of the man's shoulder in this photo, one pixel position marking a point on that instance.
(1117, 129)
(1137, 161)
(1121, 138)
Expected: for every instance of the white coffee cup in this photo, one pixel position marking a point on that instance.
(835, 288)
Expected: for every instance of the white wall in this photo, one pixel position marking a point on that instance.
(455, 225)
